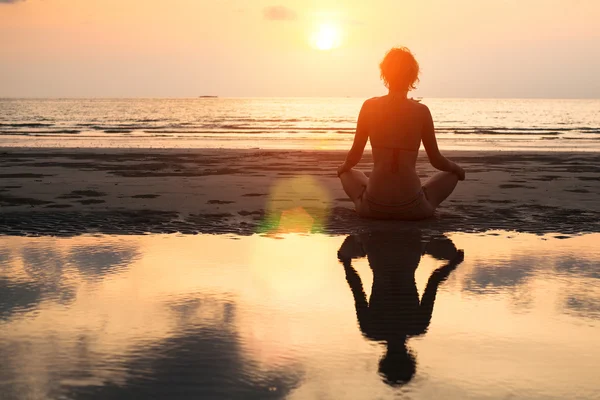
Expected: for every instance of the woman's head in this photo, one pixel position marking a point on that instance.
(399, 365)
(399, 69)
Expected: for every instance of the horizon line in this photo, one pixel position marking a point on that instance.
(279, 97)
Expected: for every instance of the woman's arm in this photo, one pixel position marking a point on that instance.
(433, 152)
(428, 300)
(360, 141)
(351, 248)
(360, 298)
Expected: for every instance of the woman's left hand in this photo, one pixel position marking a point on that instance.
(341, 169)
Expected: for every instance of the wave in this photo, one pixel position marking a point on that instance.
(253, 126)
(39, 133)
(25, 124)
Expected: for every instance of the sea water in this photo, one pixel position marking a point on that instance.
(283, 123)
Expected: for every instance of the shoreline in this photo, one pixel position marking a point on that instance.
(68, 192)
(91, 144)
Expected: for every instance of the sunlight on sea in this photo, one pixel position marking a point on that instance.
(289, 123)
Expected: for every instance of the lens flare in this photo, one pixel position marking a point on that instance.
(297, 205)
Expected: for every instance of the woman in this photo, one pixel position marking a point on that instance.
(396, 125)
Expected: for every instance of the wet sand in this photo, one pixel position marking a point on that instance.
(70, 192)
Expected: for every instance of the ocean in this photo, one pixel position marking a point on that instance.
(282, 123)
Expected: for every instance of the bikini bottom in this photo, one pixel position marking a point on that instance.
(415, 208)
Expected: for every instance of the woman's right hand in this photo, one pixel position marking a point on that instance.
(459, 172)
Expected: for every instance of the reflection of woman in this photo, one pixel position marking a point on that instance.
(396, 126)
(394, 311)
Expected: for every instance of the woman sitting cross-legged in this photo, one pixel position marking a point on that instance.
(396, 125)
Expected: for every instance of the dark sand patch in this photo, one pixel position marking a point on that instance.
(345, 199)
(505, 212)
(577, 190)
(24, 175)
(12, 187)
(59, 206)
(91, 201)
(493, 201)
(145, 196)
(254, 194)
(87, 193)
(514, 186)
(219, 202)
(13, 201)
(132, 173)
(18, 160)
(547, 178)
(589, 178)
(209, 219)
(245, 213)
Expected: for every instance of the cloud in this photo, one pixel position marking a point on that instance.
(279, 13)
(10, 1)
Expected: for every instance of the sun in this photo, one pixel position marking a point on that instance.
(327, 36)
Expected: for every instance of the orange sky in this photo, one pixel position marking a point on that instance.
(467, 48)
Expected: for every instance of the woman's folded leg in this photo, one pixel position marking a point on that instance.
(354, 183)
(439, 187)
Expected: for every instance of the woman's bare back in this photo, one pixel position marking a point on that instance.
(394, 126)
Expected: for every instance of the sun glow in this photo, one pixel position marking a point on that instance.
(327, 36)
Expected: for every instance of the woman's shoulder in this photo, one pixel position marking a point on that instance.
(416, 103)
(421, 109)
(372, 101)
(370, 105)
(415, 108)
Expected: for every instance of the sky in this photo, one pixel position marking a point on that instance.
(256, 48)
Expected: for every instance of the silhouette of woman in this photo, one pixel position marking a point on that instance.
(394, 312)
(396, 126)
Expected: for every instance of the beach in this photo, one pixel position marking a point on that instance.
(246, 273)
(128, 191)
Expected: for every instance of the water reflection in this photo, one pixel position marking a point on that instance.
(394, 313)
(5, 257)
(44, 267)
(200, 361)
(17, 298)
(99, 261)
(210, 317)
